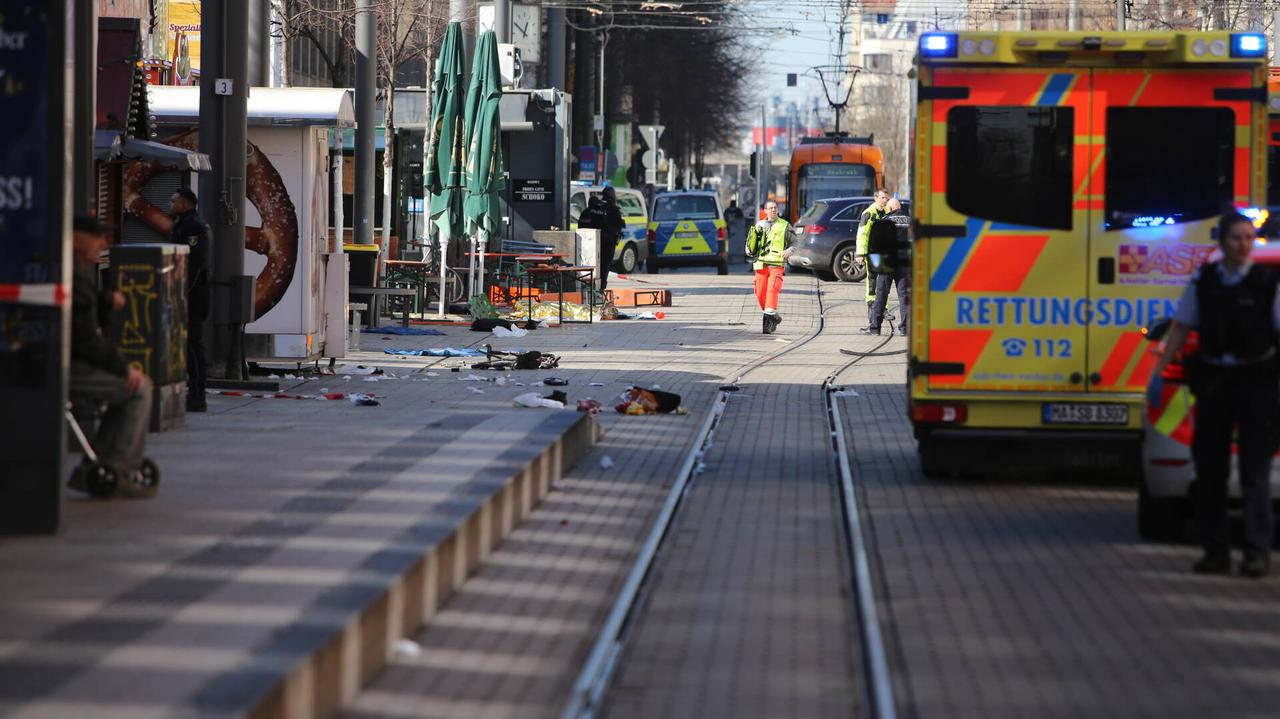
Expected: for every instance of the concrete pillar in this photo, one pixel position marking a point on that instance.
(366, 121)
(556, 47)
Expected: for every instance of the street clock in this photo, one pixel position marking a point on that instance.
(526, 28)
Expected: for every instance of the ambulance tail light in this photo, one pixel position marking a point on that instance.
(722, 233)
(939, 44)
(651, 237)
(939, 413)
(1248, 44)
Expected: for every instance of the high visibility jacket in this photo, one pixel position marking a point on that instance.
(869, 215)
(768, 246)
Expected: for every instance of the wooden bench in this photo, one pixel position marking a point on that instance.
(375, 292)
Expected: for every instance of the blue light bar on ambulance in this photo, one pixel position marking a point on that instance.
(1248, 44)
(939, 44)
(1259, 215)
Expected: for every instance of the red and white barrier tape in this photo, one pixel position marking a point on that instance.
(48, 295)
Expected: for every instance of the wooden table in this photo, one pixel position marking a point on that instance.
(519, 259)
(585, 274)
(410, 272)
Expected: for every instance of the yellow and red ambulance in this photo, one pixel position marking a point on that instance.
(1066, 185)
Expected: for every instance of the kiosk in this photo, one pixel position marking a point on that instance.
(300, 299)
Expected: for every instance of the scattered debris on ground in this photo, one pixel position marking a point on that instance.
(533, 399)
(638, 400)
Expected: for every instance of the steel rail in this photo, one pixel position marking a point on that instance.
(873, 650)
(598, 669)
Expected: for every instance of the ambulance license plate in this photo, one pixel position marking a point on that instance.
(1078, 413)
(687, 235)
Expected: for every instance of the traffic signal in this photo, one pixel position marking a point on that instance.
(755, 159)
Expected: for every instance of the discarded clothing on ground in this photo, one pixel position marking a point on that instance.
(435, 352)
(501, 331)
(499, 360)
(487, 324)
(398, 330)
(639, 400)
(533, 399)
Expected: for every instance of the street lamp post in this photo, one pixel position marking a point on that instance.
(599, 122)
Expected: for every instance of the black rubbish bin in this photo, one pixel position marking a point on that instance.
(364, 264)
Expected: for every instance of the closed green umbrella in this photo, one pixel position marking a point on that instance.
(484, 170)
(446, 153)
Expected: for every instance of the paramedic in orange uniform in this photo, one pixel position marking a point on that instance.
(769, 243)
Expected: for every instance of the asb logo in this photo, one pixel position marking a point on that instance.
(1132, 259)
(1178, 260)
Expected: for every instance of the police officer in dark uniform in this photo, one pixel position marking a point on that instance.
(893, 274)
(602, 214)
(190, 230)
(1234, 305)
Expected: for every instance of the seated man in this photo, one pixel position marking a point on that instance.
(100, 375)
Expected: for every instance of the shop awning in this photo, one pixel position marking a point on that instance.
(277, 106)
(111, 145)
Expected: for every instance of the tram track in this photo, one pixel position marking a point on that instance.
(588, 692)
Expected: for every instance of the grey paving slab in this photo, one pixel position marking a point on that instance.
(1028, 597)
(278, 515)
(200, 601)
(748, 612)
(513, 639)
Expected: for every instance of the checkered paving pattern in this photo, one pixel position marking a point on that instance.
(276, 516)
(513, 639)
(1027, 597)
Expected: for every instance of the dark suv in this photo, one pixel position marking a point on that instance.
(825, 237)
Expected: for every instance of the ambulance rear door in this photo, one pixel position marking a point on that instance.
(1171, 149)
(1008, 268)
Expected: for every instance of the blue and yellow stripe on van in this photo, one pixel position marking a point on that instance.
(687, 237)
(635, 229)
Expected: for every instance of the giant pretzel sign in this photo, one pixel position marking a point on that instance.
(277, 239)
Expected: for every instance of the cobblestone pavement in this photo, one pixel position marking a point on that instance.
(748, 613)
(1021, 597)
